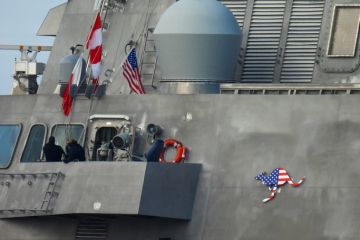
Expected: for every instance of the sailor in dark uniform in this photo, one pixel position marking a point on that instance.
(53, 152)
(75, 152)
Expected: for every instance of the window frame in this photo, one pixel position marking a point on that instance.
(76, 123)
(43, 143)
(15, 145)
(332, 30)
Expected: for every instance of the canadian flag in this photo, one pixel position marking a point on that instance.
(94, 44)
(75, 78)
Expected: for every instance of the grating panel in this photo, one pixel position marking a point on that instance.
(302, 41)
(238, 8)
(92, 228)
(263, 41)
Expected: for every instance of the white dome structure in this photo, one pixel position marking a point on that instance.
(197, 41)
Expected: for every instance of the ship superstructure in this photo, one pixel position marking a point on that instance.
(246, 86)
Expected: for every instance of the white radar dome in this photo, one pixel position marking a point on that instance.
(197, 40)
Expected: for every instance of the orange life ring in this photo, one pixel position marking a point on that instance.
(181, 150)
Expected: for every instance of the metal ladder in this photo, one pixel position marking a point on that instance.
(44, 187)
(50, 191)
(148, 60)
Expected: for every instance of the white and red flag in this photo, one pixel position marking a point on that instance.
(75, 79)
(94, 44)
(132, 74)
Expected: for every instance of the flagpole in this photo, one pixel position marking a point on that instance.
(73, 99)
(88, 59)
(126, 55)
(68, 118)
(102, 5)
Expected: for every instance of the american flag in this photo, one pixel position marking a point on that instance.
(277, 177)
(132, 74)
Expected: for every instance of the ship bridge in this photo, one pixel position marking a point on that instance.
(116, 181)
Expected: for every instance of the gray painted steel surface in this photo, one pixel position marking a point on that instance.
(299, 18)
(189, 87)
(153, 189)
(169, 190)
(69, 34)
(66, 67)
(312, 136)
(52, 21)
(289, 33)
(233, 137)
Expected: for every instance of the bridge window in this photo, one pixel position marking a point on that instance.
(344, 31)
(65, 132)
(34, 143)
(9, 135)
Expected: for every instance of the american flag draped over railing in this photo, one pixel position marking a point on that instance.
(132, 74)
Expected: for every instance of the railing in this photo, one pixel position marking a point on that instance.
(289, 89)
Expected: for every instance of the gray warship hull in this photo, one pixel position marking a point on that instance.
(312, 136)
(231, 138)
